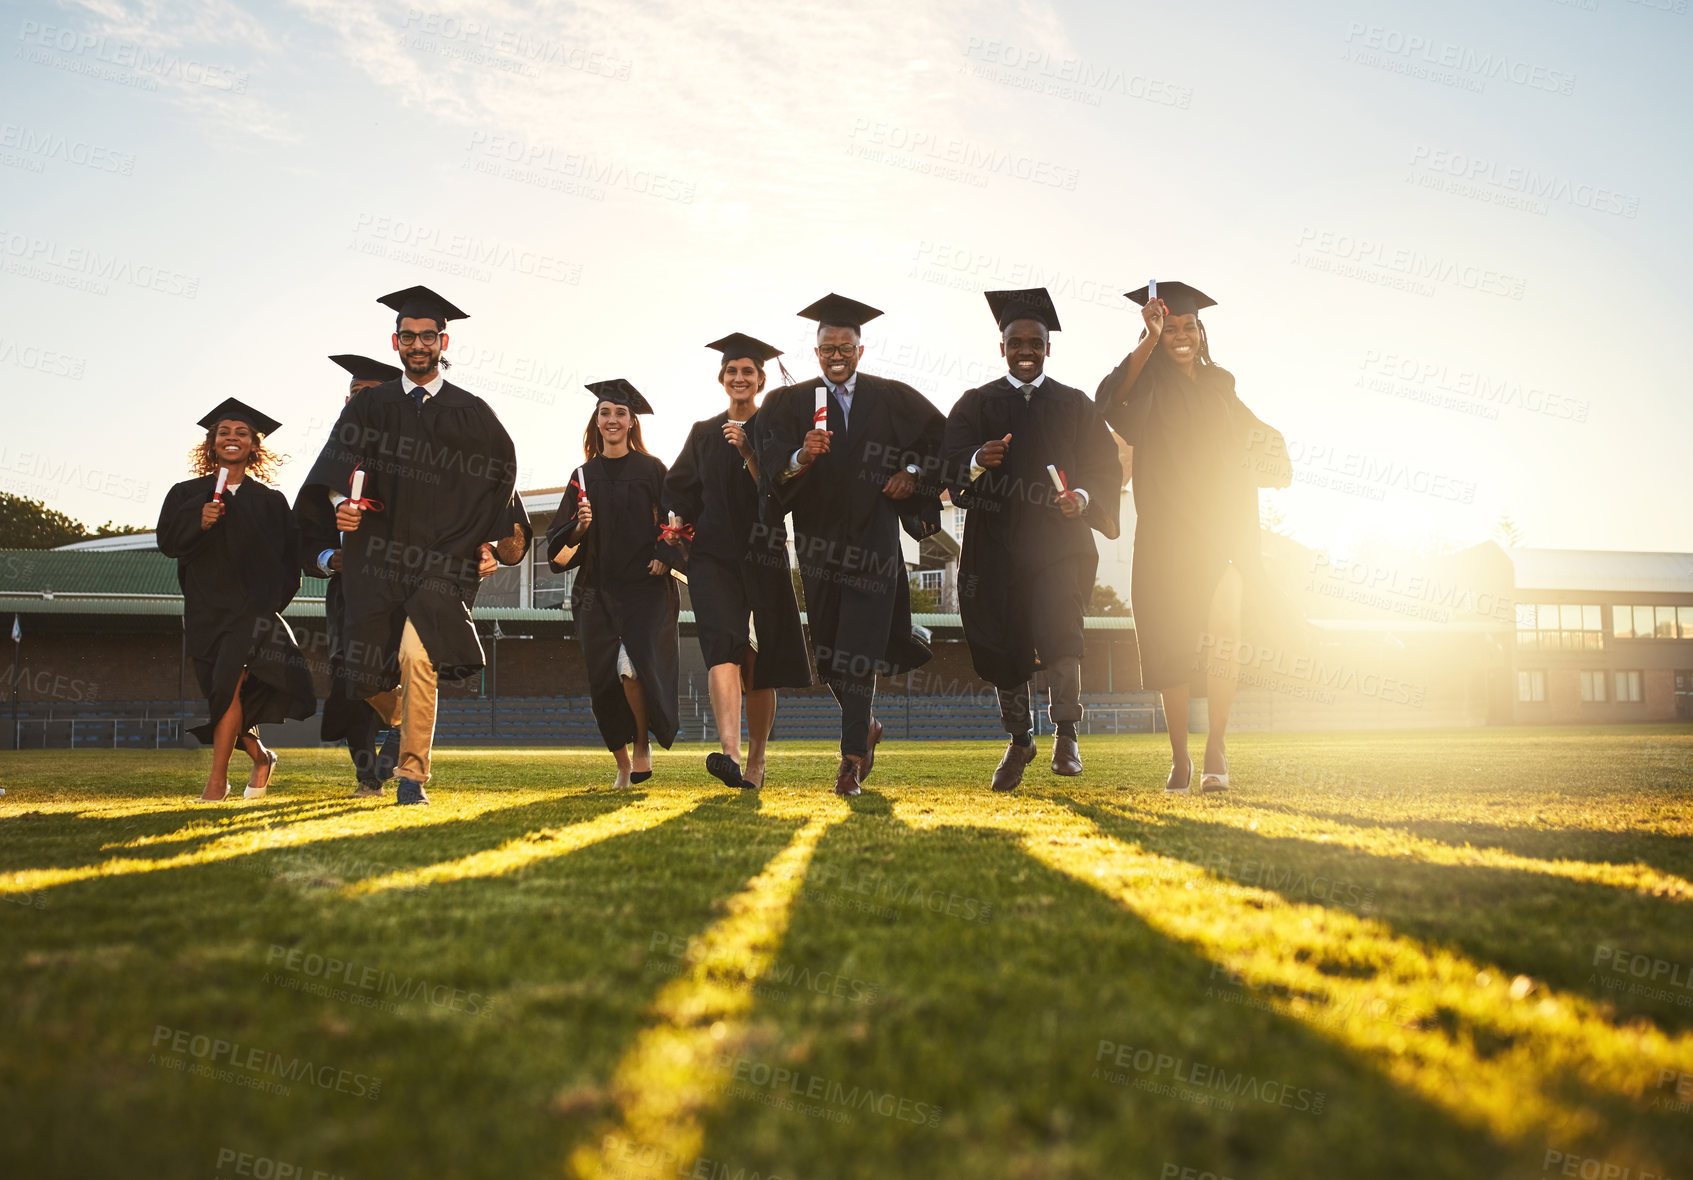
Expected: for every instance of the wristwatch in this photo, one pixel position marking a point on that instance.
(914, 469)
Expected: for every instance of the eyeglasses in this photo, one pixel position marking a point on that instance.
(415, 337)
(832, 350)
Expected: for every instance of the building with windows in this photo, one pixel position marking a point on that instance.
(1603, 636)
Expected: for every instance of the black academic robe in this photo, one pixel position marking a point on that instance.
(736, 561)
(615, 601)
(444, 476)
(315, 517)
(846, 532)
(1026, 572)
(237, 577)
(1197, 454)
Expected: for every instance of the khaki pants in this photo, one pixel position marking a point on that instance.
(412, 708)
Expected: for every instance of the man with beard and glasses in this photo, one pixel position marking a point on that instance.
(346, 714)
(1029, 558)
(423, 477)
(847, 454)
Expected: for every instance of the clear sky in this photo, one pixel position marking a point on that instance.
(1449, 241)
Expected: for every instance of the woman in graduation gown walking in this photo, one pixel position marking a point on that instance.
(237, 559)
(738, 567)
(1199, 457)
(611, 530)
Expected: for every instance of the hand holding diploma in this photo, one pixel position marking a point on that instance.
(1069, 504)
(817, 438)
(213, 510)
(487, 563)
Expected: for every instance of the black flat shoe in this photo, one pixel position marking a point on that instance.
(639, 776)
(725, 769)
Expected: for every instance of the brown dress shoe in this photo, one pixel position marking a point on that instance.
(1010, 770)
(1066, 759)
(847, 778)
(870, 753)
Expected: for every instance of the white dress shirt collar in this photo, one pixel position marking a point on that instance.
(430, 390)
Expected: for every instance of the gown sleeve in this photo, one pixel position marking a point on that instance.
(1099, 470)
(684, 486)
(564, 523)
(672, 556)
(1126, 410)
(961, 442)
(179, 534)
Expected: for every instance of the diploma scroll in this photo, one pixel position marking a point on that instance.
(820, 416)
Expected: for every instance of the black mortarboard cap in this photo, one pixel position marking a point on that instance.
(1031, 304)
(235, 410)
(363, 368)
(619, 392)
(840, 312)
(738, 344)
(1180, 298)
(420, 303)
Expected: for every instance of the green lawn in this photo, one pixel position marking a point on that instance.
(1462, 954)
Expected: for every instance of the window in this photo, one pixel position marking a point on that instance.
(931, 580)
(1666, 623)
(1622, 622)
(1628, 687)
(1531, 686)
(1652, 622)
(1593, 685)
(1561, 626)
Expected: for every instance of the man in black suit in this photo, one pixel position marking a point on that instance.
(1029, 559)
(854, 457)
(423, 477)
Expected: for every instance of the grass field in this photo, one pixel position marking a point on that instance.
(1457, 954)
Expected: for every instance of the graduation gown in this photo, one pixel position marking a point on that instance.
(736, 562)
(1026, 572)
(615, 601)
(236, 579)
(1199, 458)
(846, 532)
(444, 475)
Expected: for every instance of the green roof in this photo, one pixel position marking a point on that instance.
(99, 571)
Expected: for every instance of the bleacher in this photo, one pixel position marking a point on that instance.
(568, 721)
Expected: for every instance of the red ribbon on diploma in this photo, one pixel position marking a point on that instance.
(357, 498)
(684, 531)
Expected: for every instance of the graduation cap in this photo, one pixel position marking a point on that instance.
(363, 368)
(1031, 304)
(236, 410)
(619, 392)
(1180, 298)
(420, 303)
(738, 344)
(837, 311)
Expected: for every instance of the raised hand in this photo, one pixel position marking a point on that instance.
(992, 453)
(1152, 315)
(210, 514)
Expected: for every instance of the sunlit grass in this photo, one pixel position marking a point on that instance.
(1409, 924)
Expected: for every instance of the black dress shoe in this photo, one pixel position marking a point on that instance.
(408, 792)
(870, 752)
(1066, 759)
(847, 778)
(1010, 771)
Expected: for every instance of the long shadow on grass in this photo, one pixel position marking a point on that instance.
(1666, 853)
(1547, 927)
(42, 840)
(517, 996)
(944, 977)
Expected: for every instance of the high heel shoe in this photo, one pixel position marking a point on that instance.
(253, 792)
(1186, 782)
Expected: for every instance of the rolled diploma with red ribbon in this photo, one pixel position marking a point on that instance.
(358, 486)
(223, 481)
(820, 416)
(1057, 479)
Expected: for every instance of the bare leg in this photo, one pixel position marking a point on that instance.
(761, 718)
(725, 683)
(1220, 689)
(1175, 715)
(621, 754)
(637, 699)
(228, 728)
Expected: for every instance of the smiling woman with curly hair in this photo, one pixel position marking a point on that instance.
(236, 546)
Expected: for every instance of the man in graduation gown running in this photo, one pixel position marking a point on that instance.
(346, 714)
(855, 458)
(1029, 558)
(422, 475)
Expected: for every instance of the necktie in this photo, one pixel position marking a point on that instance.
(841, 399)
(418, 393)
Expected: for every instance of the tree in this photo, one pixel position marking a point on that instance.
(1507, 533)
(30, 524)
(1104, 601)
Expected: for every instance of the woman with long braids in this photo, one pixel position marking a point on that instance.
(1199, 457)
(738, 579)
(611, 531)
(237, 559)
